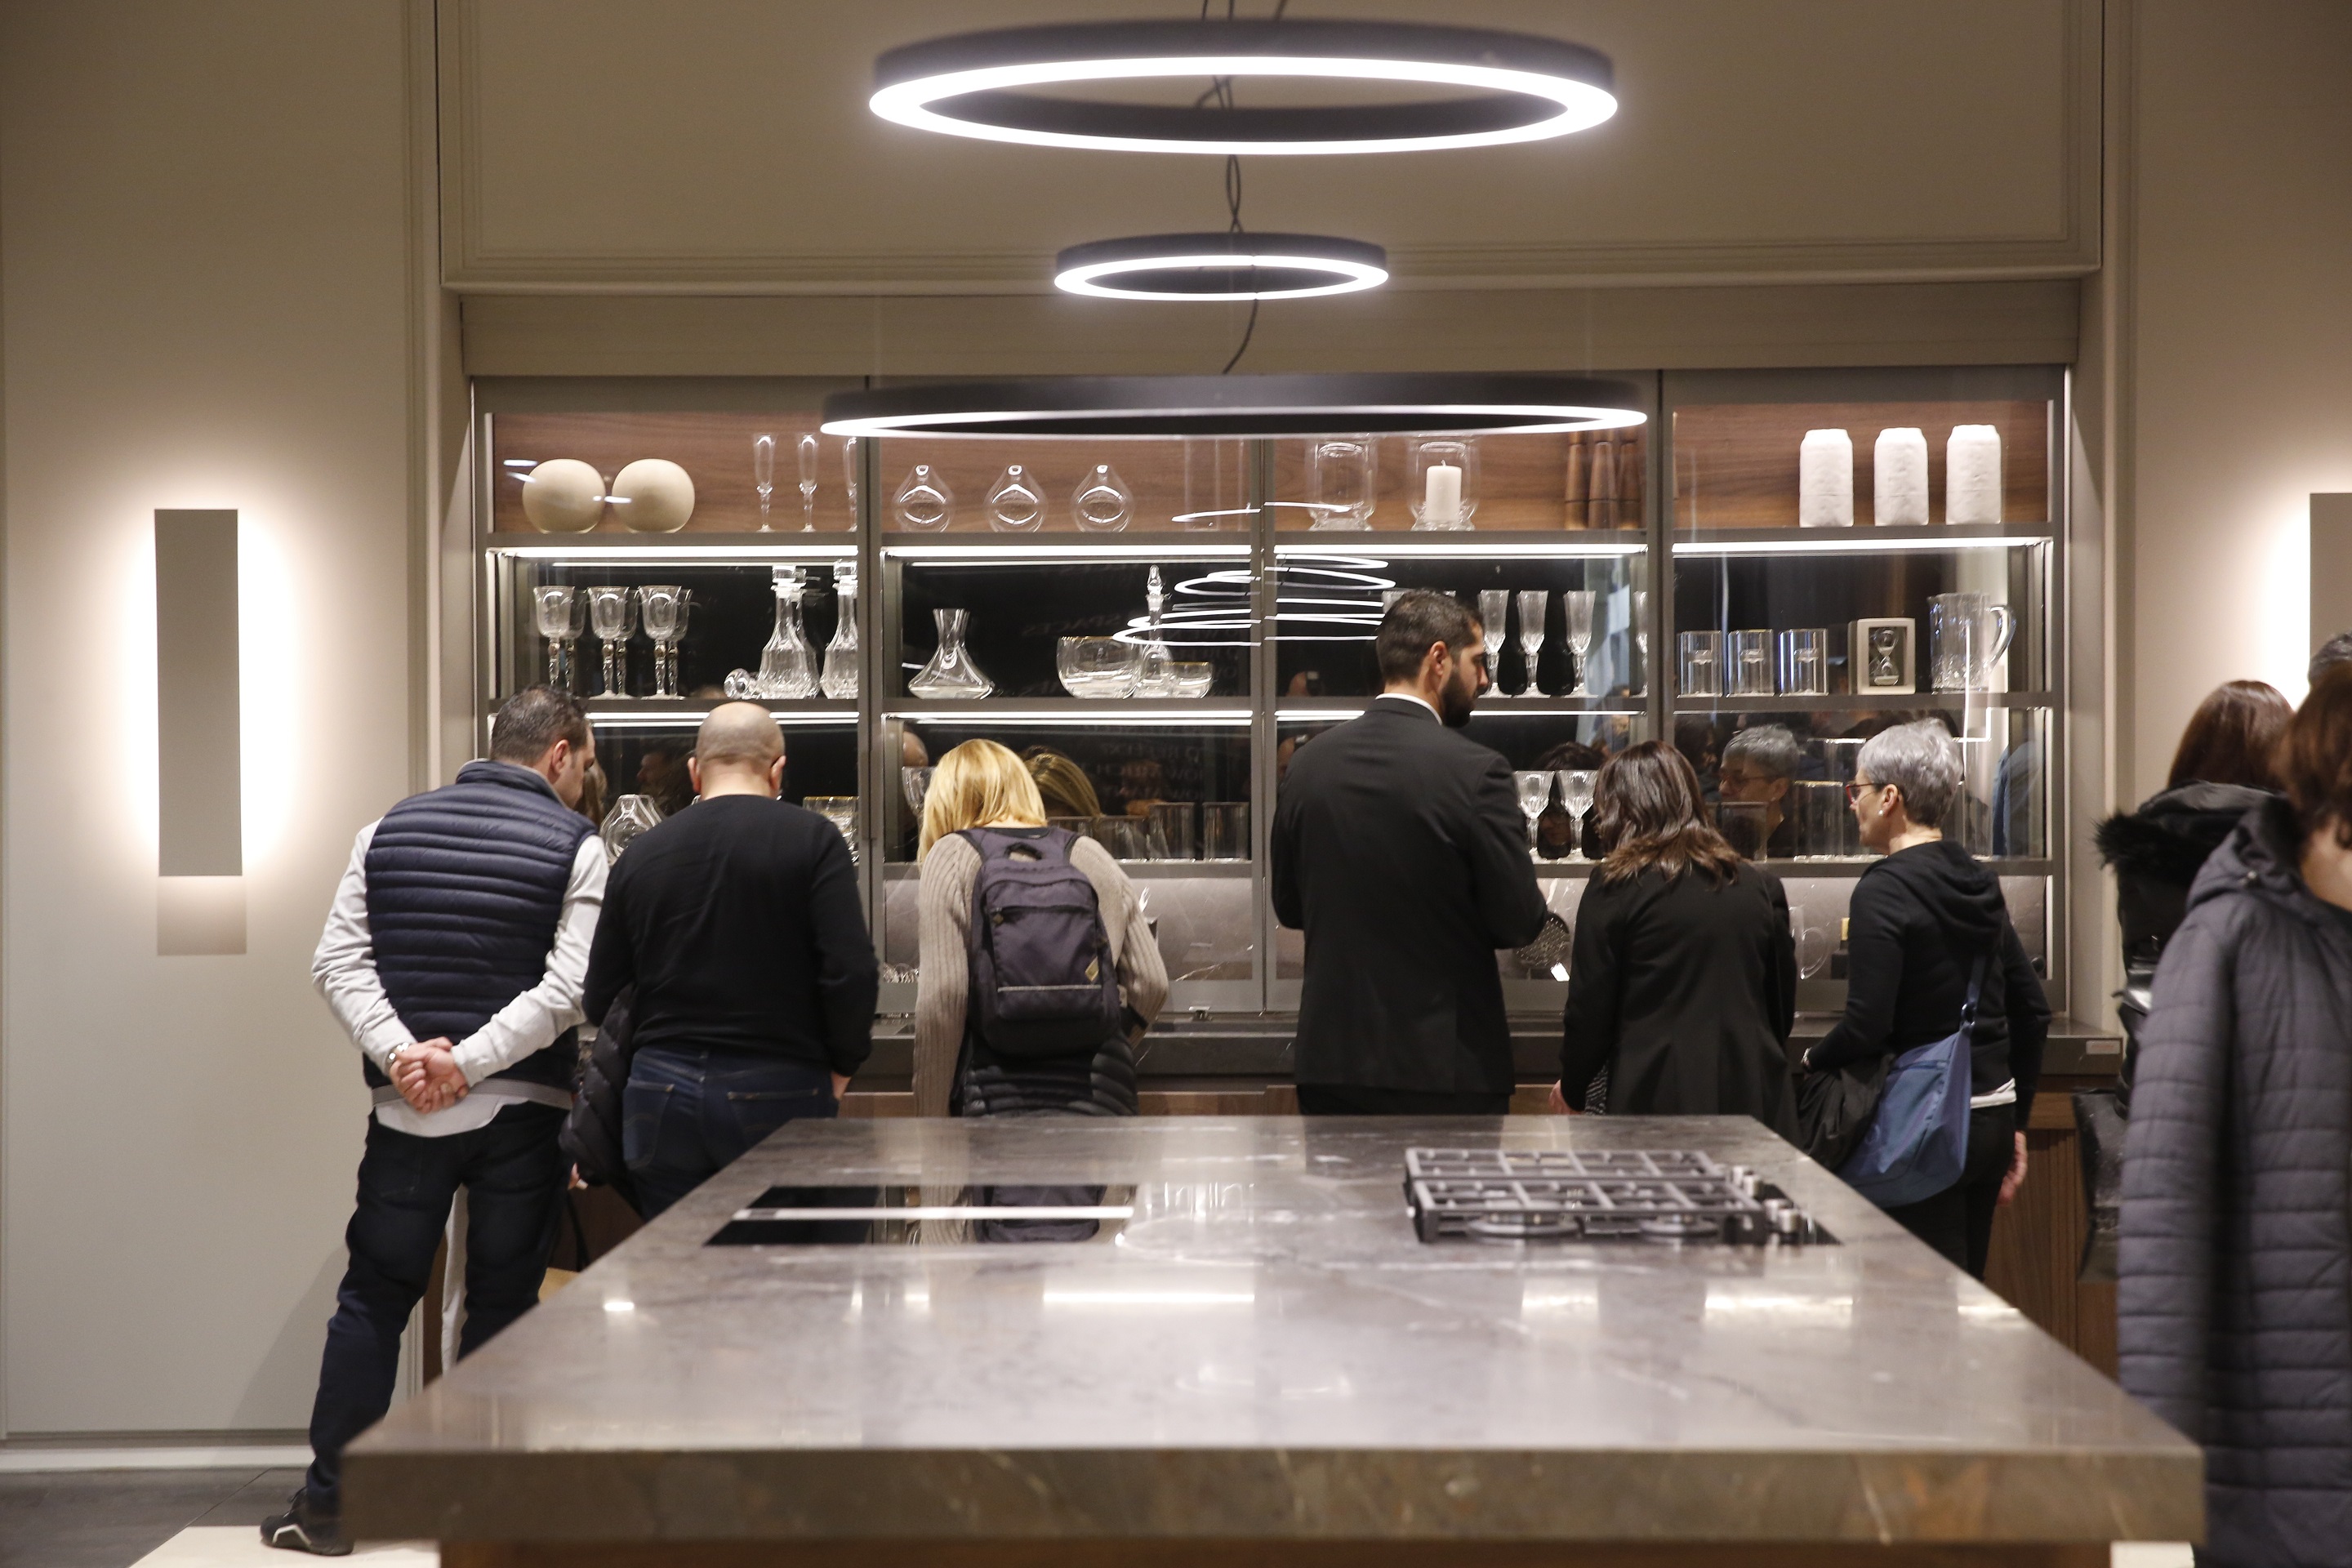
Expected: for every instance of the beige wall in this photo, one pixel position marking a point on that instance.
(2238, 268)
(204, 227)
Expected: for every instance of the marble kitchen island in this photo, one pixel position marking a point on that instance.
(1265, 1364)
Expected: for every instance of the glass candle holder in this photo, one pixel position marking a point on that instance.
(1441, 481)
(1699, 664)
(1805, 662)
(1747, 664)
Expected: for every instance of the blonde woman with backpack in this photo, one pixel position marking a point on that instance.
(1033, 1006)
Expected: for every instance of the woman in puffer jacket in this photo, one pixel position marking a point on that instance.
(2235, 1287)
(2221, 771)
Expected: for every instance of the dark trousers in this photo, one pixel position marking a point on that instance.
(1351, 1100)
(1958, 1221)
(514, 1176)
(687, 1114)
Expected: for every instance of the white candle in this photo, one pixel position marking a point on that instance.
(1441, 502)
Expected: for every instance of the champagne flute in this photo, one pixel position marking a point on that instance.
(763, 473)
(850, 474)
(1578, 603)
(807, 445)
(1494, 603)
(1576, 786)
(1535, 794)
(1531, 635)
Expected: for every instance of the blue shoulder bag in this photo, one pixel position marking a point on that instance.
(1918, 1143)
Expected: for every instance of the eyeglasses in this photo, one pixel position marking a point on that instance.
(1854, 791)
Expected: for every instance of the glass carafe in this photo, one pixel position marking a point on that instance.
(840, 681)
(924, 500)
(786, 670)
(1015, 502)
(1102, 502)
(951, 672)
(1154, 676)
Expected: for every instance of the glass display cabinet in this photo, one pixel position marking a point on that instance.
(1160, 625)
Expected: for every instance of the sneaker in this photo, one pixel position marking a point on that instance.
(303, 1528)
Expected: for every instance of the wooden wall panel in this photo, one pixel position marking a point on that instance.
(1736, 463)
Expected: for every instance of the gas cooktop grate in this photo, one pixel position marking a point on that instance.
(1600, 1195)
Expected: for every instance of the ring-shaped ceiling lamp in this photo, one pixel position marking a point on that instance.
(1220, 267)
(1521, 87)
(1435, 403)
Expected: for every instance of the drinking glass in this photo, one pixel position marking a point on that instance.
(1531, 636)
(1224, 830)
(1968, 634)
(1016, 504)
(1700, 655)
(1748, 656)
(924, 500)
(1494, 606)
(1578, 603)
(1535, 794)
(1441, 481)
(1575, 787)
(1168, 828)
(1215, 483)
(763, 473)
(613, 616)
(1190, 677)
(841, 810)
(1342, 476)
(1805, 662)
(807, 446)
(1097, 667)
(1102, 502)
(663, 607)
(553, 609)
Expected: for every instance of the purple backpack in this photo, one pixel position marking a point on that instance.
(1040, 976)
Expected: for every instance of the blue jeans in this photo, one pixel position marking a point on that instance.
(514, 1175)
(687, 1114)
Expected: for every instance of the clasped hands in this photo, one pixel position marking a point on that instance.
(428, 1077)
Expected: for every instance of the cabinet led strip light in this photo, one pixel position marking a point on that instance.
(1091, 718)
(1860, 544)
(1521, 87)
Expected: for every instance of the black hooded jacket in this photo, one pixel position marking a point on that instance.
(2156, 852)
(1919, 922)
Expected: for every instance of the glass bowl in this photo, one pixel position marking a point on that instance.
(1191, 677)
(1097, 667)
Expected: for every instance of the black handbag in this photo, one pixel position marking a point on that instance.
(592, 1132)
(1835, 1107)
(2099, 1128)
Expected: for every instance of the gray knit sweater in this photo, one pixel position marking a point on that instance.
(945, 916)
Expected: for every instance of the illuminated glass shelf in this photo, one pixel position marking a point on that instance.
(1856, 541)
(1867, 703)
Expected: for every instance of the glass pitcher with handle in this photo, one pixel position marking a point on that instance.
(1967, 637)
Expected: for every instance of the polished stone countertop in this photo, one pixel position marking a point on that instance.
(1267, 1351)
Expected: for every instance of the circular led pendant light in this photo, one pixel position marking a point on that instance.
(1118, 406)
(1521, 87)
(1222, 266)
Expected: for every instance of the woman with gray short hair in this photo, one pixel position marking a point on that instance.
(1923, 923)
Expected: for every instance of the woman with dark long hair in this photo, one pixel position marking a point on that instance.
(1683, 983)
(2234, 1306)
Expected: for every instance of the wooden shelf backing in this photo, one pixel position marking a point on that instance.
(1735, 463)
(714, 448)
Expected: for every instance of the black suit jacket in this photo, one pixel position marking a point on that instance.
(1400, 850)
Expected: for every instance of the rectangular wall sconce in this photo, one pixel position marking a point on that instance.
(2331, 567)
(200, 790)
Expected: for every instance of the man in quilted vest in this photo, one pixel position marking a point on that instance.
(453, 957)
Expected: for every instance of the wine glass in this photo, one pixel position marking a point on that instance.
(662, 605)
(613, 616)
(850, 474)
(1535, 794)
(807, 445)
(763, 473)
(1531, 635)
(553, 609)
(1576, 786)
(1494, 603)
(1578, 603)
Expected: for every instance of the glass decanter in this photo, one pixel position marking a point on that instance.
(1016, 503)
(1102, 502)
(785, 669)
(924, 500)
(553, 609)
(840, 681)
(807, 445)
(1155, 675)
(951, 672)
(613, 616)
(631, 815)
(763, 473)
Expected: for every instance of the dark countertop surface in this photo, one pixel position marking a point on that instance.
(1265, 1350)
